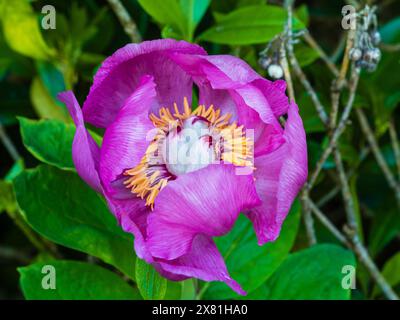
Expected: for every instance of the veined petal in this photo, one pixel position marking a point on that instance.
(119, 75)
(231, 85)
(132, 213)
(274, 92)
(127, 138)
(85, 151)
(279, 177)
(227, 73)
(203, 261)
(207, 201)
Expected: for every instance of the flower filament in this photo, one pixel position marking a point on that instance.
(186, 142)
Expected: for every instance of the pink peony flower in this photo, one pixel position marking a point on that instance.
(176, 175)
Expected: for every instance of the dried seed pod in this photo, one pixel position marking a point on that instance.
(376, 55)
(372, 55)
(275, 71)
(264, 62)
(368, 55)
(355, 54)
(375, 37)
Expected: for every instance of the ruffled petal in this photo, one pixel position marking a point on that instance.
(132, 213)
(279, 177)
(274, 92)
(119, 75)
(232, 86)
(85, 151)
(203, 261)
(207, 201)
(127, 138)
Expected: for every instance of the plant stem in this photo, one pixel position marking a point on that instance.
(306, 212)
(390, 47)
(12, 253)
(286, 72)
(330, 125)
(299, 72)
(395, 144)
(327, 223)
(126, 20)
(378, 154)
(331, 194)
(337, 131)
(308, 219)
(313, 44)
(340, 81)
(366, 260)
(8, 144)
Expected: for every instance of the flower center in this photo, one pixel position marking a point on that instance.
(186, 142)
(189, 147)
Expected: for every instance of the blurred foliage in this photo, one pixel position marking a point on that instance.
(52, 214)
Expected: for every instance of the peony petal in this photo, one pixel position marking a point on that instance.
(204, 262)
(225, 72)
(127, 138)
(279, 177)
(275, 94)
(132, 215)
(231, 85)
(207, 201)
(85, 151)
(119, 75)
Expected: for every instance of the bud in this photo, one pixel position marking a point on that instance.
(275, 71)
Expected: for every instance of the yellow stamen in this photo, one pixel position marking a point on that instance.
(146, 179)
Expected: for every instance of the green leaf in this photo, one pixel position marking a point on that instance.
(311, 120)
(73, 281)
(49, 141)
(193, 11)
(151, 285)
(313, 273)
(302, 14)
(385, 227)
(174, 290)
(61, 207)
(170, 32)
(15, 170)
(247, 262)
(44, 104)
(391, 272)
(52, 80)
(7, 197)
(305, 55)
(188, 289)
(21, 30)
(248, 25)
(165, 12)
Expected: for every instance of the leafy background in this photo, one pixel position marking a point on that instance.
(49, 216)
